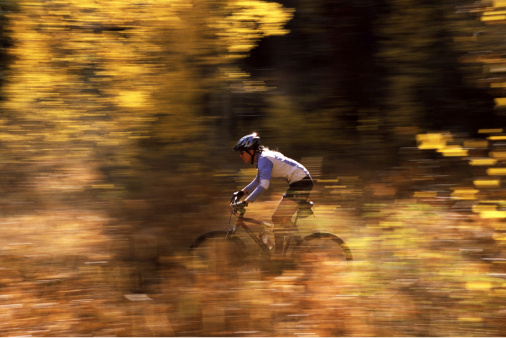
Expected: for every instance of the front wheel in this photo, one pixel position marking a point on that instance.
(322, 250)
(215, 252)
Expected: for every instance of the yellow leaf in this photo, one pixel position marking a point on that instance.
(431, 141)
(497, 138)
(464, 194)
(487, 183)
(478, 286)
(483, 162)
(471, 319)
(493, 18)
(425, 194)
(475, 144)
(131, 99)
(496, 171)
(498, 154)
(500, 101)
(489, 131)
(453, 151)
(493, 214)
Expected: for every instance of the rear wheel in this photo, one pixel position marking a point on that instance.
(322, 251)
(214, 252)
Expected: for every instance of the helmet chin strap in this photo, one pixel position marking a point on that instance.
(252, 157)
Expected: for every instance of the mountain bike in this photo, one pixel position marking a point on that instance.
(223, 250)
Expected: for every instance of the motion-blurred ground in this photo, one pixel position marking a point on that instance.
(423, 266)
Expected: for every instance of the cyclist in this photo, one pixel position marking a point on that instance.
(273, 164)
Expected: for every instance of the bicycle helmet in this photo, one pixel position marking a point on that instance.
(251, 141)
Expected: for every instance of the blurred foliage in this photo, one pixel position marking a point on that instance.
(102, 85)
(117, 121)
(5, 40)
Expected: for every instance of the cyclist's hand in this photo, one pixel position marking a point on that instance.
(240, 205)
(236, 196)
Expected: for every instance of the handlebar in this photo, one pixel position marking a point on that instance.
(236, 209)
(240, 210)
(234, 200)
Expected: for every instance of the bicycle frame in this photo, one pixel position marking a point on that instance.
(292, 242)
(241, 223)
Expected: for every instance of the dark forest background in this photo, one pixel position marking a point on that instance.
(117, 122)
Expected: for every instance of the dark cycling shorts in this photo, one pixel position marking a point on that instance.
(299, 191)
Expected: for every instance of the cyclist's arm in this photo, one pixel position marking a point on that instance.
(252, 186)
(263, 179)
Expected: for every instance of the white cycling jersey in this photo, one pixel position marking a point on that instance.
(273, 164)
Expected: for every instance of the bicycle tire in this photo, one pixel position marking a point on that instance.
(336, 239)
(215, 252)
(324, 249)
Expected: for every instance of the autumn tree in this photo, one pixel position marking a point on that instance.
(5, 41)
(427, 88)
(102, 84)
(477, 36)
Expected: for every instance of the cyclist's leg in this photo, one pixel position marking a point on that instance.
(282, 220)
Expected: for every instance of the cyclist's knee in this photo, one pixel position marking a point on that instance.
(277, 219)
(281, 220)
